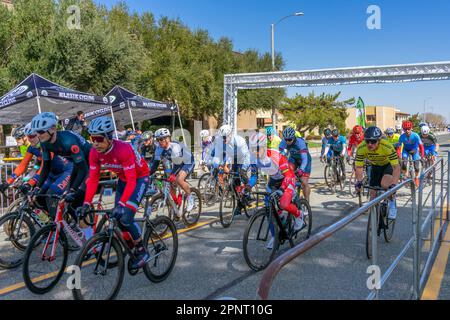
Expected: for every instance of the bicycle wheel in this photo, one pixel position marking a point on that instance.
(304, 233)
(389, 225)
(329, 178)
(190, 218)
(14, 206)
(351, 184)
(369, 234)
(157, 207)
(226, 208)
(15, 234)
(210, 191)
(39, 273)
(163, 250)
(257, 253)
(99, 279)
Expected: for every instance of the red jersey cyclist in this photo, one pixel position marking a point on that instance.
(132, 170)
(355, 140)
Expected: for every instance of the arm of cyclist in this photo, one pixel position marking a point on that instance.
(20, 170)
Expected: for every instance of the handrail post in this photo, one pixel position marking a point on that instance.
(417, 208)
(374, 235)
(433, 207)
(448, 186)
(441, 211)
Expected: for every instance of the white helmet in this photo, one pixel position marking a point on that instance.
(258, 139)
(225, 130)
(43, 121)
(101, 126)
(425, 130)
(162, 133)
(28, 130)
(204, 134)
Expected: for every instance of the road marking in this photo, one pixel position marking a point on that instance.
(433, 286)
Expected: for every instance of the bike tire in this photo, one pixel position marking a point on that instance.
(228, 199)
(152, 234)
(189, 218)
(389, 227)
(369, 234)
(304, 233)
(40, 235)
(9, 223)
(151, 203)
(100, 239)
(263, 215)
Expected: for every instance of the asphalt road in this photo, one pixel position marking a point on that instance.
(210, 262)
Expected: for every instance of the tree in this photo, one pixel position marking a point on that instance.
(311, 112)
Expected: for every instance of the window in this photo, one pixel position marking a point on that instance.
(260, 123)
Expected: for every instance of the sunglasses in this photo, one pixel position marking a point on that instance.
(41, 131)
(289, 140)
(371, 141)
(161, 139)
(98, 139)
(32, 136)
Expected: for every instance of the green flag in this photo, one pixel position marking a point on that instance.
(361, 113)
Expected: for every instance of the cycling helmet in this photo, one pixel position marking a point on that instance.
(407, 125)
(398, 127)
(425, 130)
(18, 132)
(147, 135)
(204, 134)
(101, 126)
(335, 133)
(357, 129)
(423, 124)
(327, 132)
(289, 133)
(44, 121)
(390, 131)
(258, 139)
(270, 131)
(225, 130)
(162, 133)
(27, 130)
(373, 133)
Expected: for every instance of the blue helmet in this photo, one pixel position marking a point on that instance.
(289, 133)
(270, 131)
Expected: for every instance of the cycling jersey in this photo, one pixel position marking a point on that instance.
(429, 140)
(75, 149)
(124, 161)
(206, 148)
(337, 145)
(176, 154)
(298, 154)
(394, 139)
(354, 141)
(274, 143)
(235, 152)
(411, 145)
(383, 155)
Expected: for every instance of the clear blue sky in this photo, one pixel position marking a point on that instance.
(333, 33)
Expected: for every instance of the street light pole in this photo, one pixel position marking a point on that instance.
(297, 14)
(424, 108)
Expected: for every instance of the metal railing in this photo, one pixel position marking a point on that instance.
(414, 242)
(6, 169)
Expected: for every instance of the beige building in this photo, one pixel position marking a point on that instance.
(381, 116)
(7, 3)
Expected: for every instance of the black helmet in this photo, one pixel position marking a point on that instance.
(335, 132)
(327, 132)
(373, 133)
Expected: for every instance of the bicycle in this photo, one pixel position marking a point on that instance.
(384, 224)
(333, 174)
(210, 186)
(173, 199)
(267, 222)
(231, 198)
(104, 255)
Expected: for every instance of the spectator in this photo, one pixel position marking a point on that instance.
(77, 124)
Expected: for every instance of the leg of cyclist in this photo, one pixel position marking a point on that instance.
(182, 174)
(404, 162)
(291, 208)
(57, 186)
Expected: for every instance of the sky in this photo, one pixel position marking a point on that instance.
(332, 33)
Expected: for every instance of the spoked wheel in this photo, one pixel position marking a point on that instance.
(211, 191)
(329, 178)
(157, 207)
(389, 225)
(258, 251)
(163, 250)
(304, 233)
(41, 269)
(191, 217)
(14, 206)
(227, 207)
(369, 234)
(351, 184)
(15, 234)
(99, 279)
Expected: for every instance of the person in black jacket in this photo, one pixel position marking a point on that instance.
(77, 124)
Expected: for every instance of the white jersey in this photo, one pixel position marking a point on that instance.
(235, 151)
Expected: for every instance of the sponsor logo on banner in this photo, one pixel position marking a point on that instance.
(44, 93)
(112, 99)
(122, 105)
(97, 112)
(10, 97)
(133, 104)
(29, 94)
(105, 100)
(154, 105)
(76, 96)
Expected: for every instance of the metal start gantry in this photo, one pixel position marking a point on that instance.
(433, 71)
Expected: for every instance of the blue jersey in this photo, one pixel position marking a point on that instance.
(410, 143)
(59, 165)
(337, 145)
(298, 152)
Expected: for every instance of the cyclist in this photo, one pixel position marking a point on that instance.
(147, 150)
(398, 128)
(412, 145)
(132, 170)
(207, 142)
(273, 140)
(430, 142)
(385, 172)
(21, 139)
(355, 140)
(178, 158)
(325, 138)
(71, 146)
(337, 145)
(281, 177)
(299, 156)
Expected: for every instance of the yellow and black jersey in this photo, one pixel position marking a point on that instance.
(383, 155)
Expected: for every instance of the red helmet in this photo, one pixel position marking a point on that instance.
(407, 125)
(357, 129)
